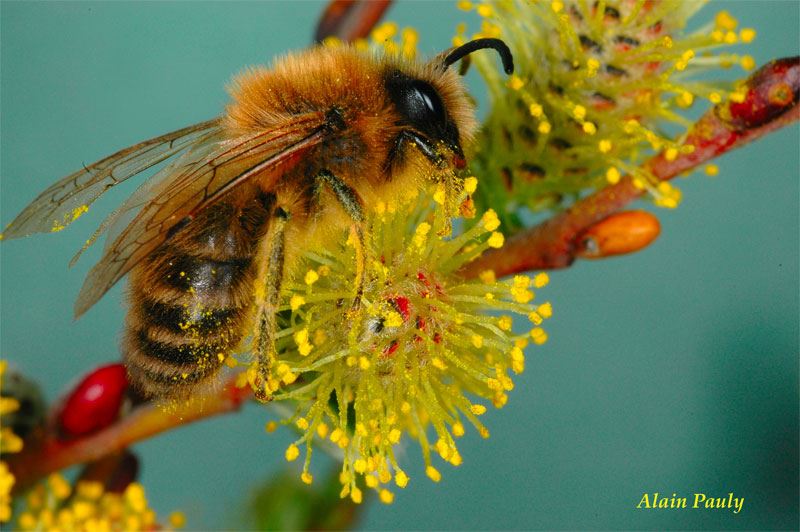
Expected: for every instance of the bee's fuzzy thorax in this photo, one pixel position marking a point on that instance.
(321, 78)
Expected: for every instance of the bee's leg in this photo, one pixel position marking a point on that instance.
(267, 298)
(352, 205)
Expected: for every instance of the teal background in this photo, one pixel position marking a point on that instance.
(672, 370)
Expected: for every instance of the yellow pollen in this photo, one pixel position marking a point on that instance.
(322, 430)
(604, 146)
(490, 220)
(485, 10)
(671, 154)
(386, 496)
(725, 20)
(292, 452)
(714, 97)
(579, 112)
(393, 319)
(535, 110)
(302, 423)
(613, 176)
(270, 427)
(371, 481)
(356, 496)
(478, 410)
(711, 169)
(487, 276)
(394, 435)
(496, 240)
(363, 363)
(470, 185)
(557, 6)
(134, 496)
(589, 128)
(731, 37)
(538, 335)
(477, 341)
(439, 196)
(541, 280)
(336, 435)
(747, 35)
(401, 479)
(458, 429)
(307, 477)
(747, 62)
(546, 310)
(515, 83)
(177, 520)
(296, 302)
(685, 99)
(311, 277)
(505, 322)
(433, 474)
(544, 128)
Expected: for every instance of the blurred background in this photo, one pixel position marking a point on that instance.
(674, 370)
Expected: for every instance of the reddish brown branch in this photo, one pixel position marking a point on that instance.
(47, 453)
(349, 20)
(770, 103)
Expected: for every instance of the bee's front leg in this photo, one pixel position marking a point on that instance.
(270, 262)
(353, 206)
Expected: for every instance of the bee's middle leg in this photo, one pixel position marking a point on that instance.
(267, 299)
(353, 206)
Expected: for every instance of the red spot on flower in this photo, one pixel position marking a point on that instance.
(403, 306)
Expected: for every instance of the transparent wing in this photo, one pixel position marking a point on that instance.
(64, 201)
(171, 204)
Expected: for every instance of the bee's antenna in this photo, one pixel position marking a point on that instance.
(479, 44)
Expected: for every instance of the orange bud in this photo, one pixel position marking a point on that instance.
(620, 233)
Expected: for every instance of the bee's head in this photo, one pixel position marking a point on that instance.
(434, 111)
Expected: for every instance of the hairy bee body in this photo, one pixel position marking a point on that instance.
(303, 151)
(190, 301)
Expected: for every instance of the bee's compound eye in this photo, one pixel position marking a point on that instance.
(418, 102)
(426, 102)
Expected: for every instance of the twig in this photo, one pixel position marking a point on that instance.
(47, 453)
(769, 104)
(349, 20)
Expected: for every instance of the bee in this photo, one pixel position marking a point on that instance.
(303, 147)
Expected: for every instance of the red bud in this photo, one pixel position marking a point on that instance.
(95, 402)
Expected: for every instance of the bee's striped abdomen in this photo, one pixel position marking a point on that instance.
(191, 302)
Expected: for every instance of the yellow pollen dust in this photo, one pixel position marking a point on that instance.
(488, 277)
(496, 240)
(311, 277)
(433, 474)
(747, 35)
(470, 185)
(515, 83)
(613, 176)
(711, 169)
(544, 128)
(490, 220)
(296, 302)
(535, 110)
(292, 452)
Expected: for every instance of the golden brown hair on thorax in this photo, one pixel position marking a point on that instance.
(387, 106)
